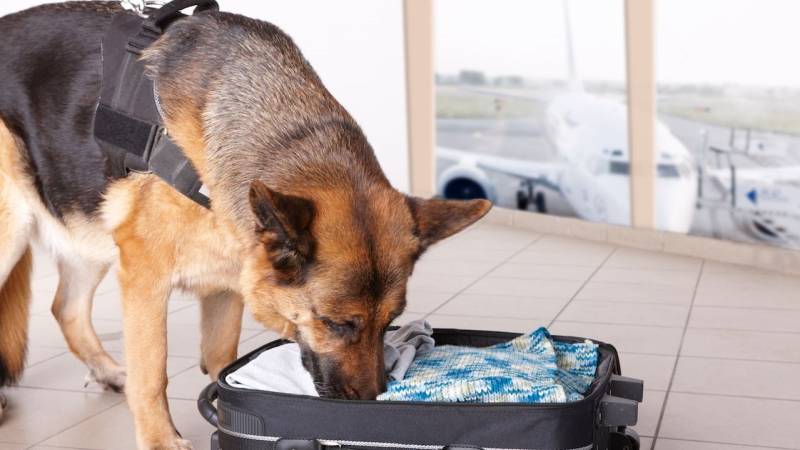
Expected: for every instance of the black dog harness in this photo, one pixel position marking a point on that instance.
(128, 124)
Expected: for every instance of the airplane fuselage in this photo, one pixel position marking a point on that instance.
(590, 136)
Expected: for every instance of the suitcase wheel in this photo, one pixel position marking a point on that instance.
(626, 439)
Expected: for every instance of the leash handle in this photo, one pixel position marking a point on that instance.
(205, 404)
(164, 15)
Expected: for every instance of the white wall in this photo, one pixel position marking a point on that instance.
(357, 47)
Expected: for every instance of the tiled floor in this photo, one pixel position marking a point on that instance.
(717, 345)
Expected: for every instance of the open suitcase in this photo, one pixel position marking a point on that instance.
(262, 420)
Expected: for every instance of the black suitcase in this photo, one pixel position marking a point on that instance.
(261, 420)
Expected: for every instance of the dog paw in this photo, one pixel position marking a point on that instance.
(110, 380)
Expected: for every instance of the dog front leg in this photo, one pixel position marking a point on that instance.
(221, 325)
(145, 292)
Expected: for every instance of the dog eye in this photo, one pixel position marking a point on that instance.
(346, 328)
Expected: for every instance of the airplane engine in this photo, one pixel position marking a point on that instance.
(465, 182)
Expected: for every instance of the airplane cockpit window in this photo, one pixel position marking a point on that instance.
(619, 168)
(668, 171)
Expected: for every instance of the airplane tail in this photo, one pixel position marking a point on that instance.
(574, 82)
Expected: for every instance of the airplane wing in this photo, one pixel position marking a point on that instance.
(546, 173)
(788, 174)
(764, 175)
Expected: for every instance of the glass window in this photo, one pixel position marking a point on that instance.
(531, 105)
(729, 109)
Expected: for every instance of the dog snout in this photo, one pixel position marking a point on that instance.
(365, 392)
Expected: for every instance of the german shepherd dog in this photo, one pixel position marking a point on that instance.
(304, 227)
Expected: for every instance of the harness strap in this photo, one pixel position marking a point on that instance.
(128, 126)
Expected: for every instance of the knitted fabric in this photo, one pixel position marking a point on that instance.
(531, 368)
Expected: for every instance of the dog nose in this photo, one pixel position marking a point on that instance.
(361, 393)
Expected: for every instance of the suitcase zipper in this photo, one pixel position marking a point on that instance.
(341, 443)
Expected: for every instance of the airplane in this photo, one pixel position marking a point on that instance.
(592, 168)
(763, 202)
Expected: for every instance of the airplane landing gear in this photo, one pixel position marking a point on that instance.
(539, 201)
(522, 200)
(527, 195)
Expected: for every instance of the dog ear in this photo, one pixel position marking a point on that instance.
(283, 225)
(437, 219)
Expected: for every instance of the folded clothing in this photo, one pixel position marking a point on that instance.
(281, 369)
(529, 369)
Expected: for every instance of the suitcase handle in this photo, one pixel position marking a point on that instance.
(205, 404)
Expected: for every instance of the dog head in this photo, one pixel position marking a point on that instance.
(331, 273)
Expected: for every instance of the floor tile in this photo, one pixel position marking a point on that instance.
(563, 257)
(746, 319)
(47, 447)
(183, 340)
(720, 267)
(485, 323)
(734, 344)
(731, 420)
(39, 354)
(114, 428)
(27, 421)
(654, 370)
(492, 239)
(754, 278)
(188, 313)
(109, 305)
(649, 412)
(738, 378)
(626, 338)
(5, 446)
(187, 384)
(497, 306)
(746, 295)
(566, 244)
(253, 342)
(448, 268)
(66, 372)
(43, 264)
(249, 322)
(550, 289)
(41, 303)
(45, 285)
(674, 444)
(543, 271)
(646, 442)
(466, 254)
(436, 283)
(424, 301)
(636, 293)
(637, 300)
(630, 258)
(44, 331)
(683, 278)
(626, 313)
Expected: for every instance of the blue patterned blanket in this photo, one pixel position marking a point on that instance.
(529, 369)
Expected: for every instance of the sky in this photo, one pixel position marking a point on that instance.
(746, 42)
